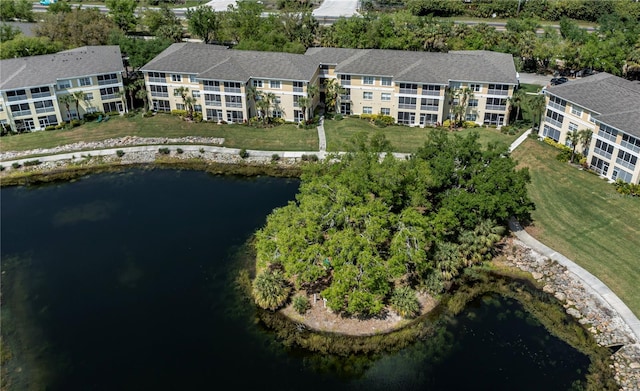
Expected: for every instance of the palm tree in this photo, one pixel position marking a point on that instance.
(270, 289)
(517, 100)
(536, 104)
(131, 88)
(189, 101)
(78, 96)
(142, 94)
(585, 140)
(304, 104)
(66, 100)
(459, 108)
(574, 138)
(333, 91)
(268, 98)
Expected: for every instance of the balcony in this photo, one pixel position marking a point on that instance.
(298, 89)
(110, 81)
(557, 106)
(429, 107)
(111, 96)
(21, 113)
(234, 104)
(45, 110)
(211, 88)
(158, 94)
(157, 80)
(409, 91)
(231, 89)
(15, 98)
(41, 94)
(602, 152)
(498, 92)
(212, 103)
(502, 108)
(553, 122)
(407, 106)
(626, 164)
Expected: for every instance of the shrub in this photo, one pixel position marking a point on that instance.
(164, 151)
(179, 150)
(201, 150)
(469, 124)
(179, 113)
(270, 289)
(338, 117)
(91, 116)
(625, 188)
(148, 114)
(75, 122)
(50, 127)
(120, 153)
(301, 304)
(59, 126)
(275, 157)
(32, 162)
(243, 153)
(446, 123)
(309, 158)
(405, 302)
(16, 165)
(197, 117)
(1, 167)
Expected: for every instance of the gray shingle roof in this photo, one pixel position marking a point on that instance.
(210, 62)
(616, 100)
(429, 67)
(46, 69)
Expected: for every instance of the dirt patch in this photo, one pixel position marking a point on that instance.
(323, 319)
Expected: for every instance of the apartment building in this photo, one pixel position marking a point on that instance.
(226, 84)
(607, 105)
(412, 86)
(39, 91)
(409, 86)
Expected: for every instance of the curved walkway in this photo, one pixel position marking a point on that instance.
(589, 280)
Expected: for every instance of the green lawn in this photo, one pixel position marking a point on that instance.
(281, 138)
(584, 218)
(403, 138)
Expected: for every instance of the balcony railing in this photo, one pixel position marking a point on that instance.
(429, 107)
(498, 92)
(410, 91)
(41, 94)
(212, 103)
(608, 136)
(232, 89)
(17, 98)
(211, 88)
(345, 82)
(602, 152)
(159, 94)
(109, 81)
(626, 164)
(553, 122)
(345, 98)
(298, 89)
(557, 106)
(45, 110)
(406, 106)
(234, 104)
(109, 96)
(630, 146)
(500, 108)
(21, 113)
(157, 79)
(431, 92)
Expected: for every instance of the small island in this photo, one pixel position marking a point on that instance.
(370, 234)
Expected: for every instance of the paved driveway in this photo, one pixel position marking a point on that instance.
(534, 78)
(336, 8)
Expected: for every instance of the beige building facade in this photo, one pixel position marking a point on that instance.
(41, 91)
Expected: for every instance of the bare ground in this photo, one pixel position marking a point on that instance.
(323, 319)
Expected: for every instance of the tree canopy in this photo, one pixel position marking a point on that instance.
(363, 226)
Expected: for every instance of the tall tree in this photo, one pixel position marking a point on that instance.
(536, 103)
(67, 99)
(517, 100)
(333, 90)
(123, 13)
(77, 97)
(203, 22)
(585, 136)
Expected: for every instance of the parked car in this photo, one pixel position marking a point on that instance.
(558, 80)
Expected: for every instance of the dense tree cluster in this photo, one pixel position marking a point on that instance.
(367, 231)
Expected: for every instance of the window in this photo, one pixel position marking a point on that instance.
(473, 103)
(367, 110)
(385, 81)
(110, 78)
(230, 86)
(298, 86)
(557, 103)
(176, 78)
(593, 121)
(13, 96)
(157, 77)
(475, 87)
(573, 127)
(25, 124)
(234, 116)
(257, 83)
(496, 104)
(179, 106)
(405, 102)
(159, 91)
(494, 119)
(406, 88)
(45, 106)
(369, 80)
(621, 174)
(603, 149)
(551, 132)
(554, 118)
(367, 95)
(109, 93)
(214, 114)
(298, 115)
(47, 121)
(576, 111)
(345, 108)
(176, 92)
(88, 96)
(385, 111)
(84, 81)
(428, 89)
(345, 80)
(233, 100)
(276, 114)
(428, 119)
(625, 159)
(599, 166)
(630, 142)
(117, 106)
(346, 94)
(406, 118)
(158, 105)
(608, 133)
(471, 117)
(454, 85)
(275, 84)
(385, 96)
(195, 93)
(429, 104)
(210, 85)
(498, 89)
(62, 84)
(192, 79)
(197, 108)
(20, 109)
(296, 100)
(40, 92)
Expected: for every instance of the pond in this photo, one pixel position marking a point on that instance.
(125, 281)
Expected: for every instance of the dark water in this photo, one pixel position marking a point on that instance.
(120, 282)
